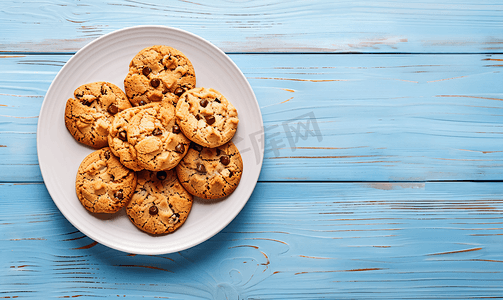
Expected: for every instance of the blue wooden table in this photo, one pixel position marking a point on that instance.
(389, 186)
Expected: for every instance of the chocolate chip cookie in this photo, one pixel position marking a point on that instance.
(158, 73)
(118, 139)
(156, 138)
(206, 117)
(159, 204)
(103, 184)
(89, 115)
(211, 173)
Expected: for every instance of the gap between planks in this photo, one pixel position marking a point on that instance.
(20, 53)
(319, 181)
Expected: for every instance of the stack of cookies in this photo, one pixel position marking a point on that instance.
(158, 144)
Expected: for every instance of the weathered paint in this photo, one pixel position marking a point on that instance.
(317, 225)
(292, 240)
(265, 26)
(369, 127)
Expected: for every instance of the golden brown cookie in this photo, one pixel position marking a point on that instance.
(159, 204)
(90, 114)
(158, 73)
(206, 117)
(156, 138)
(118, 140)
(211, 173)
(103, 184)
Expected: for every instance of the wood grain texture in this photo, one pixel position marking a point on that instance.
(326, 117)
(291, 241)
(264, 25)
(422, 105)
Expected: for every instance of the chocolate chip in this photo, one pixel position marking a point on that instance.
(155, 82)
(196, 147)
(200, 168)
(210, 120)
(86, 103)
(230, 173)
(157, 131)
(107, 155)
(175, 218)
(198, 117)
(146, 71)
(113, 109)
(123, 135)
(153, 210)
(218, 151)
(179, 148)
(176, 129)
(225, 160)
(119, 195)
(179, 92)
(142, 102)
(161, 175)
(217, 100)
(156, 96)
(203, 102)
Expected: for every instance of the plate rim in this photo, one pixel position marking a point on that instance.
(259, 162)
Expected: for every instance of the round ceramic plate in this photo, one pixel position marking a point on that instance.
(107, 59)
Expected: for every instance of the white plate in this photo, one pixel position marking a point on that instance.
(107, 59)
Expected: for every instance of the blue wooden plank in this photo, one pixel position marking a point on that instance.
(326, 117)
(265, 26)
(291, 241)
(396, 118)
